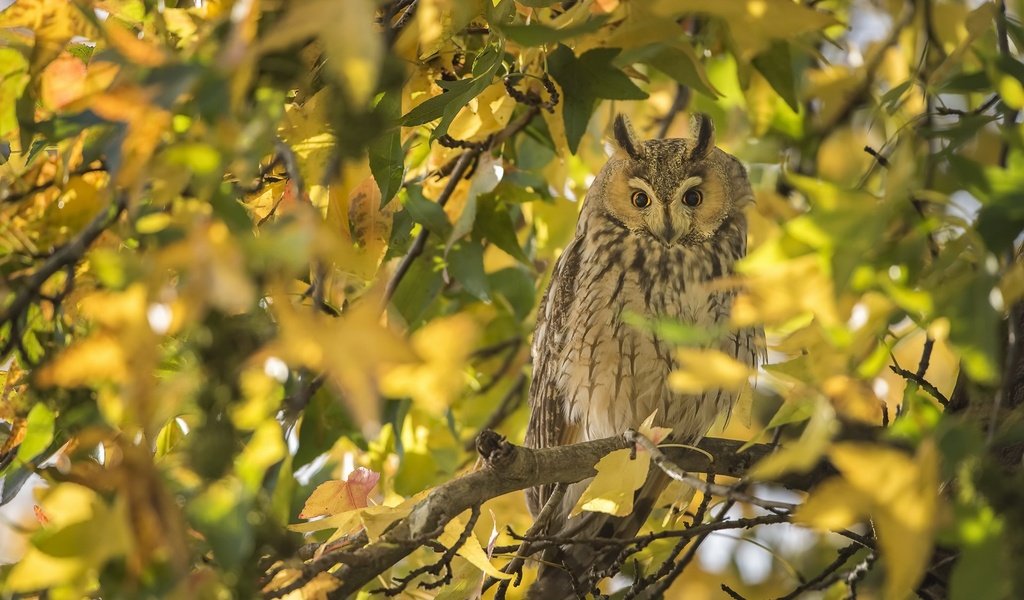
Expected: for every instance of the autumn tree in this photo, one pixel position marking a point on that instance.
(270, 272)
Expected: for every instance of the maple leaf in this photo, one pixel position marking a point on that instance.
(333, 497)
(584, 79)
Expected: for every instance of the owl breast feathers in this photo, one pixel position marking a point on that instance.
(662, 222)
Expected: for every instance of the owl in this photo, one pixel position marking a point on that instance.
(661, 224)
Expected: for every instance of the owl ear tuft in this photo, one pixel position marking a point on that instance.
(626, 138)
(702, 130)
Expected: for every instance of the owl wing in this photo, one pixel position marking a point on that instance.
(549, 423)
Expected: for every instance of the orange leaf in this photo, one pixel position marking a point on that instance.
(333, 497)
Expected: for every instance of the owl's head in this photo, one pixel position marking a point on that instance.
(679, 191)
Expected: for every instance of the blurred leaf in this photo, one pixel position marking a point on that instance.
(702, 370)
(776, 64)
(323, 422)
(353, 48)
(38, 433)
(443, 346)
(220, 512)
(538, 35)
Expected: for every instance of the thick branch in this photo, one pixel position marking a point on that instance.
(508, 468)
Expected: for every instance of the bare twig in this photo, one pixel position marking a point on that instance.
(921, 381)
(827, 576)
(672, 470)
(462, 163)
(509, 403)
(515, 566)
(421, 239)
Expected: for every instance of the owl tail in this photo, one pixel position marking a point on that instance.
(589, 563)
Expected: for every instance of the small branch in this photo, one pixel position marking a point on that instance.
(881, 160)
(515, 566)
(679, 103)
(421, 239)
(732, 593)
(672, 470)
(462, 163)
(828, 575)
(921, 381)
(509, 403)
(66, 256)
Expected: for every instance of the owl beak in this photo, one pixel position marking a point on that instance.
(668, 235)
(671, 228)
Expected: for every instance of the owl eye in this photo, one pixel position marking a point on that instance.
(640, 199)
(693, 197)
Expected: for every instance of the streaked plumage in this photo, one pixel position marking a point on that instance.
(596, 376)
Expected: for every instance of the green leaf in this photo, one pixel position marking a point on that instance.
(538, 35)
(323, 422)
(1001, 221)
(14, 77)
(494, 223)
(514, 284)
(427, 212)
(220, 514)
(387, 159)
(776, 64)
(678, 61)
(457, 94)
(466, 265)
(417, 290)
(584, 79)
(38, 432)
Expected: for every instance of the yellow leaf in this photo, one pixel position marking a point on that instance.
(443, 344)
(471, 549)
(376, 519)
(343, 522)
(351, 40)
(265, 448)
(800, 456)
(137, 51)
(97, 358)
(618, 478)
(752, 23)
(333, 497)
(352, 349)
(77, 517)
(707, 369)
(904, 495)
(834, 504)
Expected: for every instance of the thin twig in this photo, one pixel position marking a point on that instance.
(922, 382)
(508, 405)
(515, 566)
(673, 471)
(827, 576)
(421, 239)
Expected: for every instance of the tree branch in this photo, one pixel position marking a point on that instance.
(68, 254)
(508, 468)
